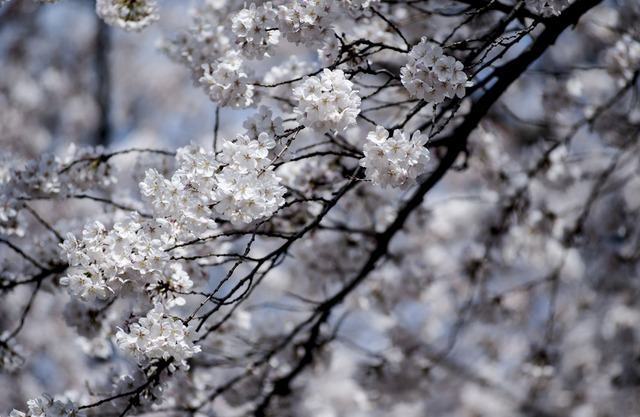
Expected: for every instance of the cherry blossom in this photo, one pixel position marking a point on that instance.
(327, 103)
(319, 208)
(395, 161)
(128, 14)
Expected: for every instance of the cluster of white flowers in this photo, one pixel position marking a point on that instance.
(226, 82)
(263, 122)
(182, 204)
(171, 285)
(327, 103)
(10, 223)
(250, 26)
(40, 177)
(208, 37)
(432, 76)
(48, 176)
(624, 58)
(203, 43)
(330, 52)
(127, 14)
(306, 21)
(247, 188)
(244, 189)
(102, 261)
(394, 161)
(47, 406)
(159, 336)
(547, 7)
(85, 168)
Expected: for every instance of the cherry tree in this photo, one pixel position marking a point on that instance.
(398, 207)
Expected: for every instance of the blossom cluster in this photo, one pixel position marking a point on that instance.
(247, 188)
(168, 289)
(395, 161)
(258, 236)
(47, 406)
(243, 189)
(204, 42)
(159, 336)
(624, 58)
(432, 76)
(306, 21)
(126, 14)
(250, 26)
(103, 260)
(132, 254)
(182, 204)
(263, 122)
(327, 103)
(48, 176)
(226, 82)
